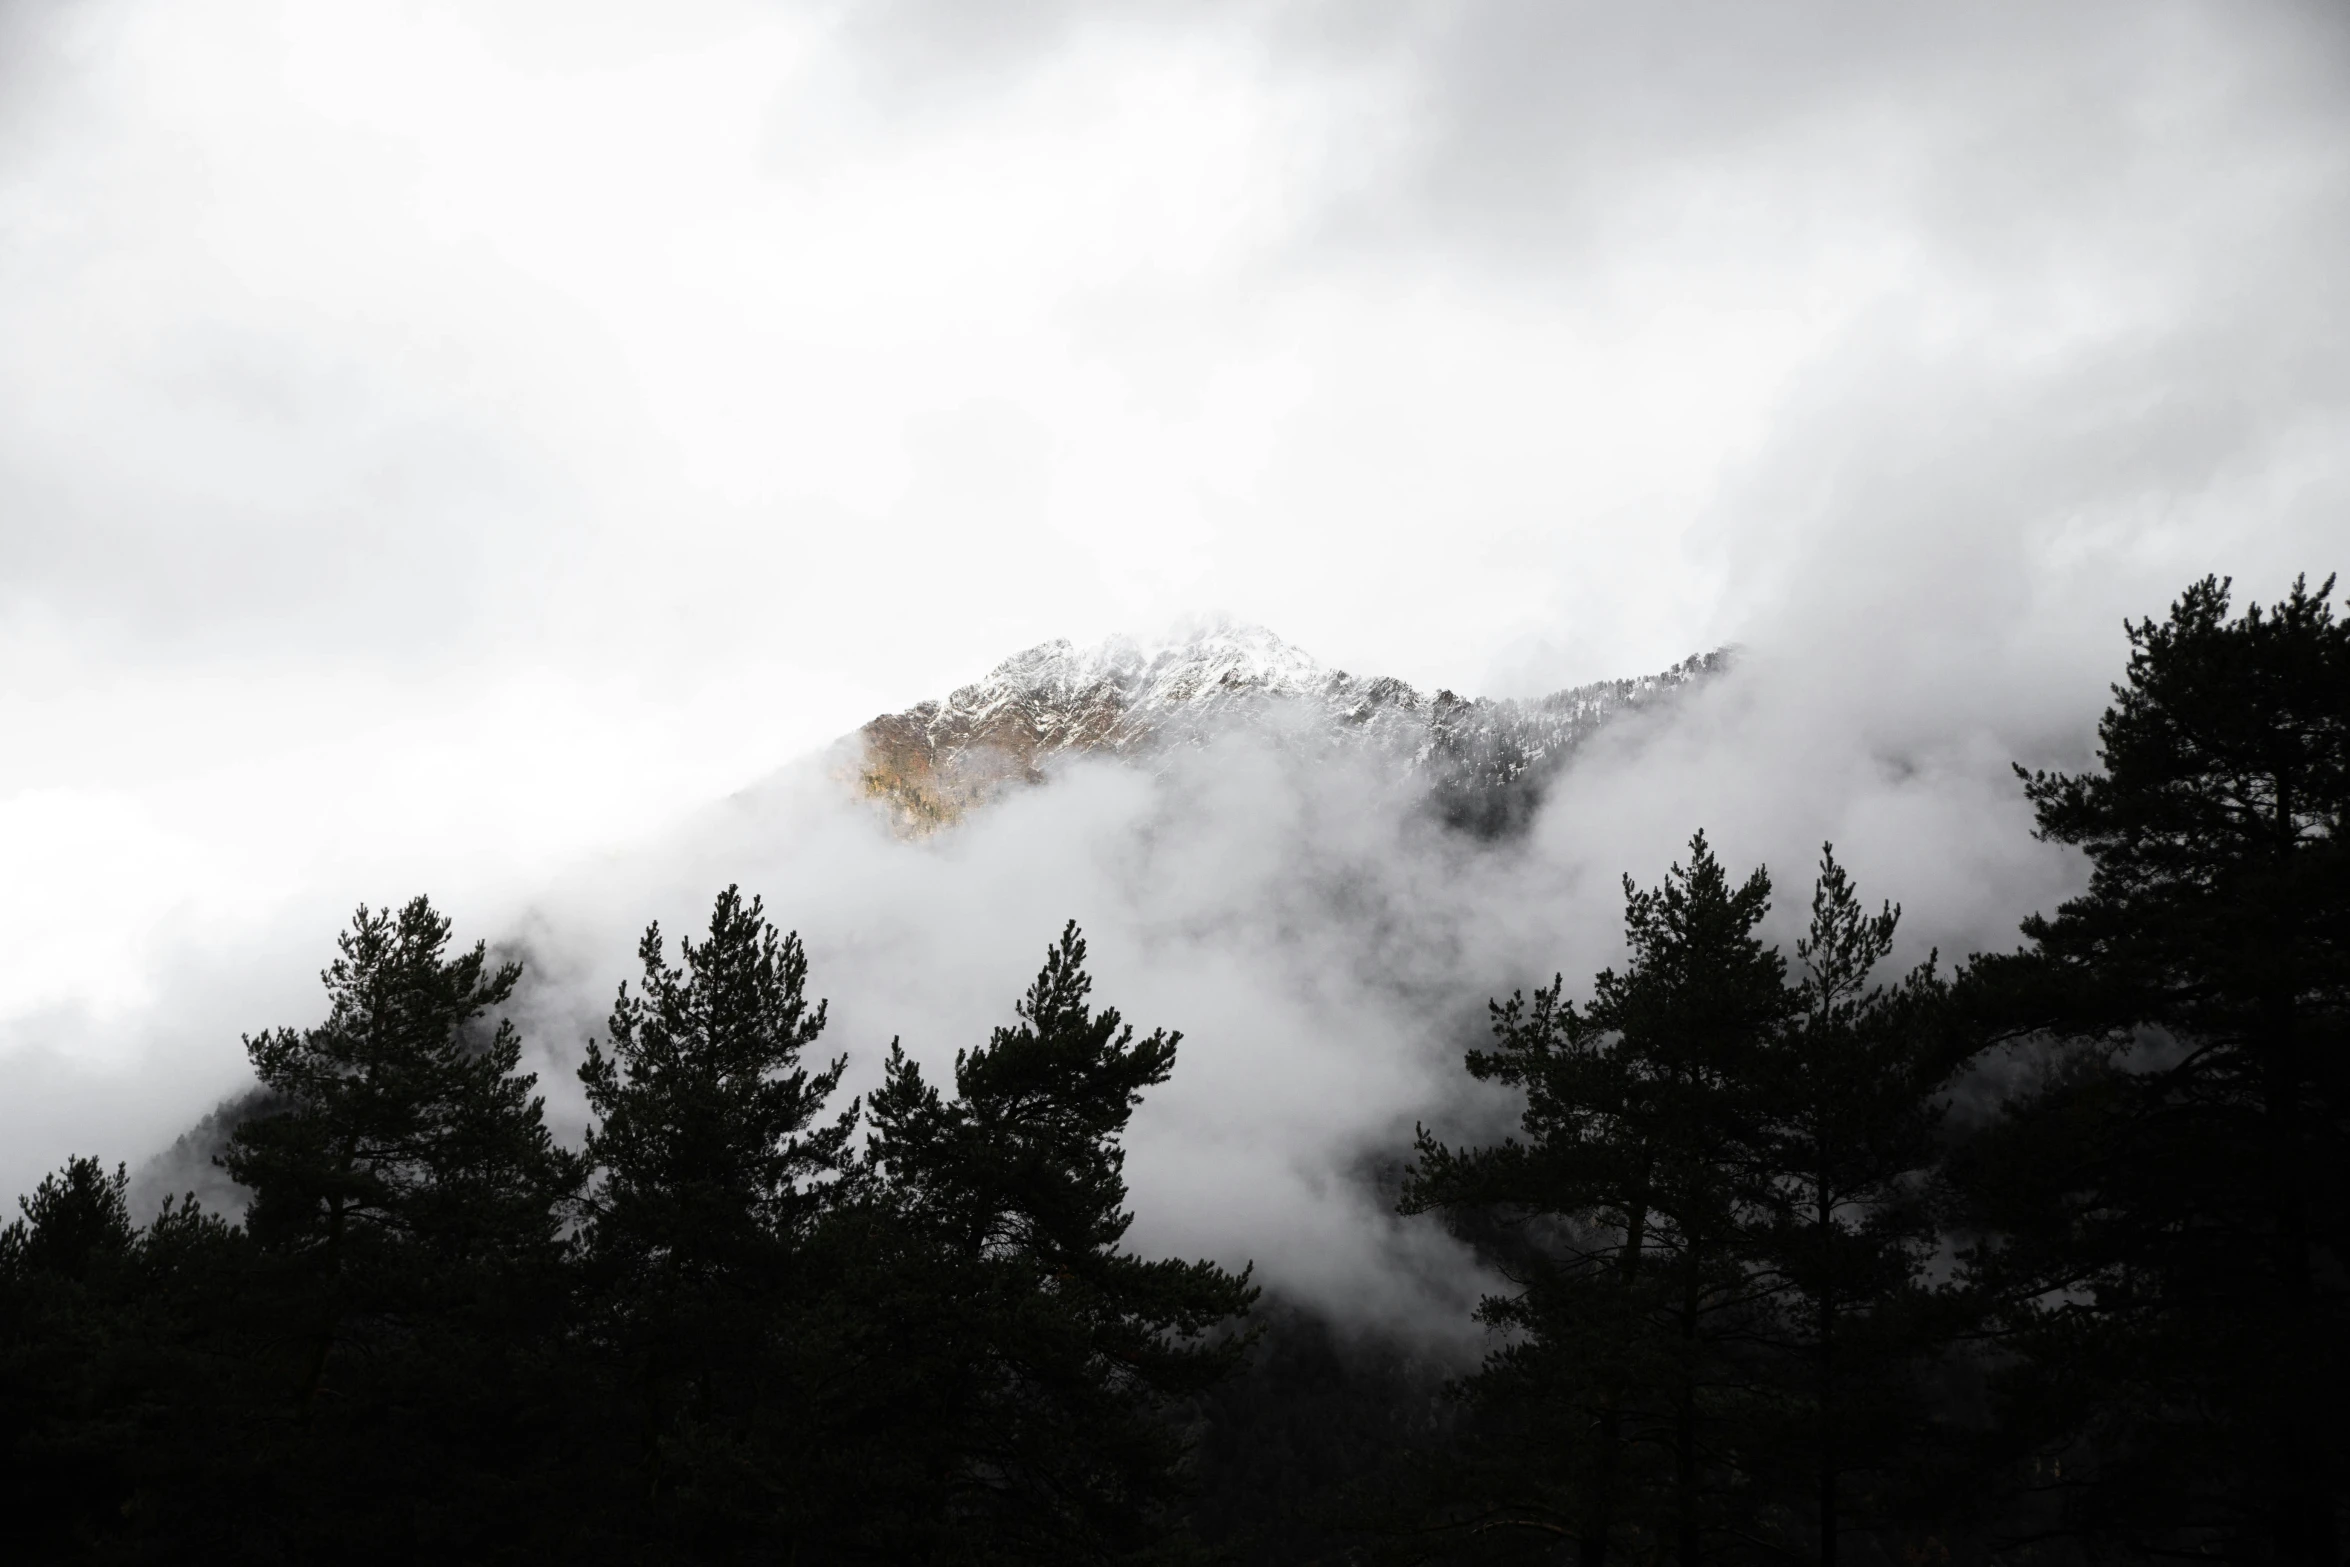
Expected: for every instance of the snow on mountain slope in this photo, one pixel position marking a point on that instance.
(1485, 760)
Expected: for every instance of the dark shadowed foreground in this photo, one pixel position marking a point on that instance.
(2043, 1259)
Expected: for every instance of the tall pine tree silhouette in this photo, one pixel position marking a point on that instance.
(1051, 1350)
(2169, 1210)
(1854, 1081)
(1623, 1210)
(714, 1166)
(409, 1201)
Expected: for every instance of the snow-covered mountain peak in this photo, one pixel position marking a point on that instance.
(1126, 698)
(1203, 658)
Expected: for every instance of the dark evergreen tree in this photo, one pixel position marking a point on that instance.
(714, 1175)
(1610, 1419)
(408, 1205)
(62, 1473)
(1855, 1078)
(74, 1221)
(2166, 1211)
(112, 1388)
(1042, 1352)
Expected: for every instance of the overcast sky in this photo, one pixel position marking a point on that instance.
(440, 441)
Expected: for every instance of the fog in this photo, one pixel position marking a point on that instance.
(465, 449)
(1294, 906)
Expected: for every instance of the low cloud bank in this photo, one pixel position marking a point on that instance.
(465, 527)
(1325, 944)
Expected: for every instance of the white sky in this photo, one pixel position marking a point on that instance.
(437, 441)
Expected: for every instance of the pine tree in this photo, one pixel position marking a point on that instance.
(1047, 1352)
(62, 1472)
(74, 1221)
(115, 1413)
(1623, 1212)
(1855, 1079)
(2168, 1209)
(408, 1203)
(714, 1175)
(399, 1132)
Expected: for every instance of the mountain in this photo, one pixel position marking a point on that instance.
(1486, 761)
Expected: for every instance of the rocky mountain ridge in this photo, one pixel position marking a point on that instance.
(1486, 760)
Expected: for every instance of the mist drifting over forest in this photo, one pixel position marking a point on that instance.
(441, 447)
(500, 452)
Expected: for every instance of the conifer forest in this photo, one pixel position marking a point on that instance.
(2039, 1255)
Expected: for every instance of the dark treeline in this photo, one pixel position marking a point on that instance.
(2038, 1259)
(726, 1330)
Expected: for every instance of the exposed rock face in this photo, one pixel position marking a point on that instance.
(1486, 761)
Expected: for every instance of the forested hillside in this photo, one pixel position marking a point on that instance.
(2036, 1256)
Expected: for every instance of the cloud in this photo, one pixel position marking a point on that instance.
(1325, 945)
(1293, 911)
(439, 444)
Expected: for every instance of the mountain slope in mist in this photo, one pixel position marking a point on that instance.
(1485, 760)
(1249, 754)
